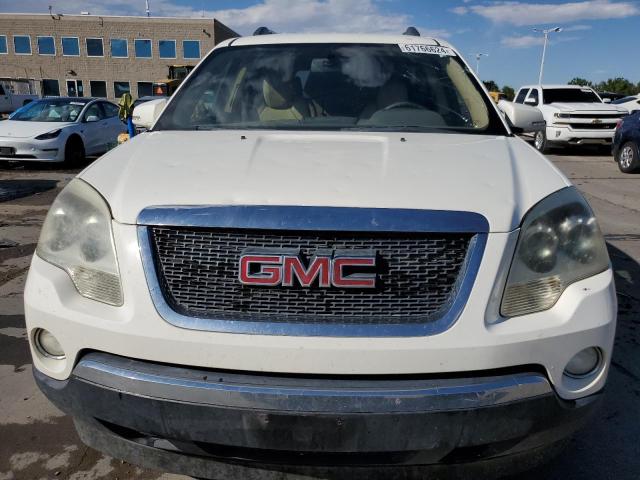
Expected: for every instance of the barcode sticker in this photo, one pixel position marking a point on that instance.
(428, 49)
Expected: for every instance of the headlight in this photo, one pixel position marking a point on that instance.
(562, 115)
(77, 237)
(49, 136)
(559, 243)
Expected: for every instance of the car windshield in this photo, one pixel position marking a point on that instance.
(570, 95)
(50, 110)
(624, 100)
(333, 87)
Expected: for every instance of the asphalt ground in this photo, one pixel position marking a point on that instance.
(39, 442)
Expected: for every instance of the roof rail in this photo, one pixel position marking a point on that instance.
(263, 31)
(413, 31)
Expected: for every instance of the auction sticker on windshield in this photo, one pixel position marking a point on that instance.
(429, 49)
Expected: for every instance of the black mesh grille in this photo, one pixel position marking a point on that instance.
(417, 276)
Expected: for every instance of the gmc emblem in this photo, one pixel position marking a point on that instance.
(337, 268)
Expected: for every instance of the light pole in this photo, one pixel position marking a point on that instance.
(544, 48)
(478, 57)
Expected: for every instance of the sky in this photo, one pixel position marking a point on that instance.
(599, 40)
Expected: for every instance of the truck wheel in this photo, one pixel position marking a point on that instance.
(629, 158)
(540, 141)
(74, 153)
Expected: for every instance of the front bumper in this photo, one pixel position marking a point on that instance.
(151, 413)
(569, 135)
(26, 149)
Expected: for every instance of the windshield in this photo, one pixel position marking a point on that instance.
(570, 95)
(50, 110)
(333, 87)
(625, 100)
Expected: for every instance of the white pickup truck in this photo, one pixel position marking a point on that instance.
(574, 115)
(10, 97)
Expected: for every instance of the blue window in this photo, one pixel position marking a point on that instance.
(70, 47)
(143, 48)
(46, 46)
(191, 48)
(3, 44)
(167, 48)
(94, 47)
(119, 48)
(22, 44)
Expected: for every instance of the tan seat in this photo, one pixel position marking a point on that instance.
(283, 101)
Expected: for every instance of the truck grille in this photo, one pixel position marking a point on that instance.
(418, 276)
(601, 116)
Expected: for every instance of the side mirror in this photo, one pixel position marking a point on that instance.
(91, 118)
(522, 118)
(606, 100)
(531, 102)
(146, 114)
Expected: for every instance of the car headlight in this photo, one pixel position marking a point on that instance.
(562, 115)
(77, 237)
(49, 135)
(559, 243)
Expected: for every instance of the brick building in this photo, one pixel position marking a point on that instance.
(101, 56)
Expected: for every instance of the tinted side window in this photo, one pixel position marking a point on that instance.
(533, 97)
(94, 110)
(522, 94)
(110, 109)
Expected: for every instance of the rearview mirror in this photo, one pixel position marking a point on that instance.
(91, 118)
(606, 100)
(146, 114)
(522, 118)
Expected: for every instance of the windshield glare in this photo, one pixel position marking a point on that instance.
(333, 87)
(570, 95)
(49, 111)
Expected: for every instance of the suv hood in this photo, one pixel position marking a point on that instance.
(20, 129)
(589, 107)
(498, 177)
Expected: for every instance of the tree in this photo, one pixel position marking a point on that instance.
(583, 82)
(618, 85)
(509, 92)
(491, 86)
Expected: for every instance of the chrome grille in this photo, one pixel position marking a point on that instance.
(418, 276)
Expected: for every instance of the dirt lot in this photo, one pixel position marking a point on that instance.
(37, 441)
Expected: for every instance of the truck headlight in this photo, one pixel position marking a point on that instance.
(77, 237)
(559, 243)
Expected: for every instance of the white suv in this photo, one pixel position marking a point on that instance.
(328, 252)
(574, 115)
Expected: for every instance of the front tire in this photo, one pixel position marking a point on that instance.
(629, 158)
(74, 154)
(540, 141)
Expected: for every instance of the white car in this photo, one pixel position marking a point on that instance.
(328, 253)
(60, 130)
(631, 103)
(574, 115)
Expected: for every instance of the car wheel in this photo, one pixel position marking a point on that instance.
(629, 158)
(540, 141)
(74, 153)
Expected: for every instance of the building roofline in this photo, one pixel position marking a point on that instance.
(134, 17)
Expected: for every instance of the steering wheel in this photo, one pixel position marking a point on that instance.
(411, 105)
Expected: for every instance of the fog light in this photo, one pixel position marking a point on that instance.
(583, 363)
(48, 345)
